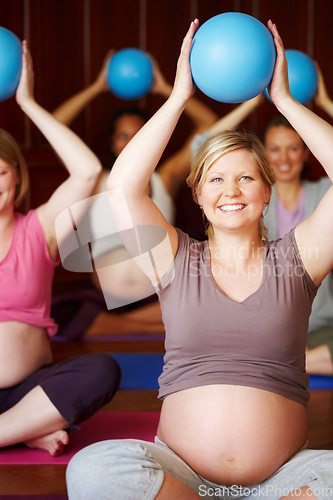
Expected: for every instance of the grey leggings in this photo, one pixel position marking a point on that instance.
(132, 469)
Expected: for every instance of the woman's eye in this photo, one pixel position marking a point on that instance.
(216, 179)
(246, 178)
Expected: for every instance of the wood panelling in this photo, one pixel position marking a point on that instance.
(69, 40)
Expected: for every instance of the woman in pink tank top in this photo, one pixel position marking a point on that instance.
(40, 401)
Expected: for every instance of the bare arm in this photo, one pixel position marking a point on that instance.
(229, 121)
(70, 109)
(201, 115)
(132, 170)
(82, 165)
(175, 169)
(322, 98)
(315, 234)
(237, 115)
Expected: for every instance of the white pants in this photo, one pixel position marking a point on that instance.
(134, 470)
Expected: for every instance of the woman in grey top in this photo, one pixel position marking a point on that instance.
(236, 434)
(293, 199)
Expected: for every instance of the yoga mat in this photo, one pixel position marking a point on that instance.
(99, 427)
(139, 371)
(320, 382)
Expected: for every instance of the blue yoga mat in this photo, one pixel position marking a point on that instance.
(139, 371)
(320, 382)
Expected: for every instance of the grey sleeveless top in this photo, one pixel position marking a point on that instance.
(212, 339)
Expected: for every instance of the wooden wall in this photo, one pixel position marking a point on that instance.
(69, 39)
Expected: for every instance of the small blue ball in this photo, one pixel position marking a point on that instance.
(130, 74)
(10, 63)
(232, 57)
(302, 76)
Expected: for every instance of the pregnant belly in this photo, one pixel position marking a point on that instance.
(23, 349)
(232, 435)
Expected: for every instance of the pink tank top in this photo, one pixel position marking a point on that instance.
(26, 275)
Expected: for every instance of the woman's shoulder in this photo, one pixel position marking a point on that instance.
(191, 251)
(29, 230)
(30, 218)
(191, 254)
(186, 240)
(280, 246)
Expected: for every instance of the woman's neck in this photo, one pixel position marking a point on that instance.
(7, 222)
(241, 248)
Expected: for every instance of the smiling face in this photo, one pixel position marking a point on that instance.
(9, 179)
(234, 194)
(286, 152)
(125, 129)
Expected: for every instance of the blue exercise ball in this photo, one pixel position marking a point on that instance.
(10, 63)
(130, 74)
(302, 76)
(232, 57)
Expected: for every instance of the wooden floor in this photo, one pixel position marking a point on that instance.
(50, 479)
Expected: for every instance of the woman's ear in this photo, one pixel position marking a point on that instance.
(268, 192)
(197, 192)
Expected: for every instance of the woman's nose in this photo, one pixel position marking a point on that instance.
(230, 189)
(283, 155)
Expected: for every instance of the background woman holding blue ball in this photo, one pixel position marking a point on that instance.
(144, 315)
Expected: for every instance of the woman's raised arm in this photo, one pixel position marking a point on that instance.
(314, 235)
(136, 163)
(130, 204)
(83, 166)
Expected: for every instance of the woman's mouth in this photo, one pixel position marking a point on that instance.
(232, 208)
(284, 168)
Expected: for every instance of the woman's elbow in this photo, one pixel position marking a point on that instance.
(94, 171)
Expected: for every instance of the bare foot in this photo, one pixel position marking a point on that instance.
(54, 443)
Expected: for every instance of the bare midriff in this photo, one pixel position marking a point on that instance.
(120, 276)
(23, 349)
(232, 435)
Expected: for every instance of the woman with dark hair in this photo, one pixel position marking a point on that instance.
(121, 298)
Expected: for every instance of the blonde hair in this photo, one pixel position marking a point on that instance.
(11, 153)
(222, 143)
